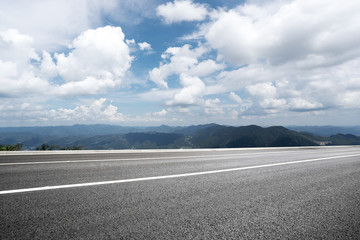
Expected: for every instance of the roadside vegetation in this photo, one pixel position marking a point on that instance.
(47, 147)
(12, 147)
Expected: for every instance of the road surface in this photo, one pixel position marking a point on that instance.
(260, 193)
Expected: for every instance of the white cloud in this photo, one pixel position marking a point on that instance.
(96, 52)
(273, 103)
(16, 47)
(263, 90)
(161, 113)
(192, 92)
(282, 57)
(302, 104)
(54, 24)
(16, 111)
(213, 107)
(177, 60)
(17, 75)
(205, 68)
(158, 75)
(98, 61)
(292, 32)
(350, 99)
(144, 46)
(156, 95)
(97, 111)
(47, 67)
(181, 10)
(299, 56)
(266, 94)
(130, 41)
(233, 96)
(289, 88)
(181, 59)
(51, 23)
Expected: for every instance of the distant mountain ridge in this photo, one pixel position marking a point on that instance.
(327, 131)
(196, 136)
(249, 136)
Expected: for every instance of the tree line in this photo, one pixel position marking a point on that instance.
(12, 147)
(43, 147)
(47, 147)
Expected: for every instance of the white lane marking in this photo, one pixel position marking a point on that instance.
(141, 159)
(168, 176)
(79, 152)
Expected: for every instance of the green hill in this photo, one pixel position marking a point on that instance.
(344, 139)
(155, 140)
(248, 136)
(198, 136)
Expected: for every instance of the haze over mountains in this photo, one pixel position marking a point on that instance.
(327, 131)
(197, 136)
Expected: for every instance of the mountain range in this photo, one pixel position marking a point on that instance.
(196, 136)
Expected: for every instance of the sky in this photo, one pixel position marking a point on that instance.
(179, 63)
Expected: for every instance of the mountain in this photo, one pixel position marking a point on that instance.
(100, 142)
(248, 136)
(161, 129)
(327, 131)
(196, 136)
(344, 139)
(155, 140)
(26, 138)
(194, 128)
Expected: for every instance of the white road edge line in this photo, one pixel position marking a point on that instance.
(139, 159)
(167, 176)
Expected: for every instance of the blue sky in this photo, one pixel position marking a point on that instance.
(153, 62)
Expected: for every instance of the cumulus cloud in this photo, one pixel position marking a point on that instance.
(98, 60)
(191, 93)
(17, 75)
(130, 41)
(205, 68)
(161, 113)
(289, 57)
(47, 67)
(283, 57)
(280, 94)
(177, 60)
(213, 107)
(266, 93)
(54, 24)
(303, 105)
(144, 46)
(181, 10)
(16, 47)
(96, 52)
(51, 23)
(233, 96)
(268, 57)
(263, 90)
(291, 32)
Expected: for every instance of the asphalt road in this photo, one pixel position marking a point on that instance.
(273, 193)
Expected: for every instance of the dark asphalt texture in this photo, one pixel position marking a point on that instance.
(313, 200)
